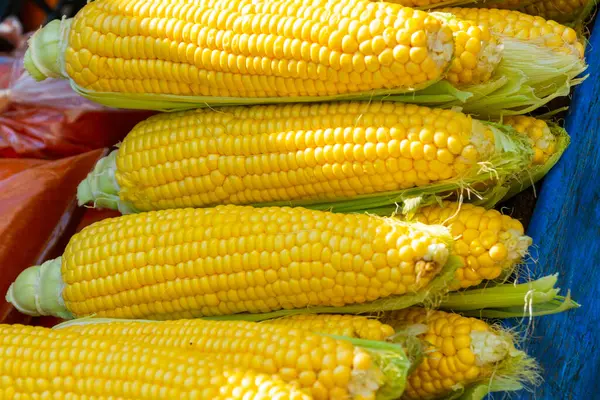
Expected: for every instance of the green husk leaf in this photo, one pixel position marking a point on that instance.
(167, 102)
(556, 305)
(437, 287)
(536, 298)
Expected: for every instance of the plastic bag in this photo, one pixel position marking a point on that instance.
(49, 120)
(44, 132)
(38, 213)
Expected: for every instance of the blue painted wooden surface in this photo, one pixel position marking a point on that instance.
(566, 228)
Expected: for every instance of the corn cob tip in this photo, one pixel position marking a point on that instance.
(42, 58)
(37, 291)
(461, 354)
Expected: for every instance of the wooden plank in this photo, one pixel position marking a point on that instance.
(566, 228)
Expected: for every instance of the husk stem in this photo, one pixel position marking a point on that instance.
(435, 290)
(530, 299)
(37, 291)
(45, 55)
(101, 188)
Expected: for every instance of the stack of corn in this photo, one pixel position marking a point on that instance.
(256, 232)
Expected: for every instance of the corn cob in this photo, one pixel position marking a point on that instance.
(515, 24)
(459, 351)
(538, 132)
(281, 153)
(229, 259)
(39, 363)
(487, 242)
(549, 142)
(222, 48)
(323, 367)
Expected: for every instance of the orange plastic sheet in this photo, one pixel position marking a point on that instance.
(38, 213)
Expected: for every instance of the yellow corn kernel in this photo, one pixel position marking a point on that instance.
(189, 263)
(266, 348)
(228, 48)
(487, 242)
(43, 363)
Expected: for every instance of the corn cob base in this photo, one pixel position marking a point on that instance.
(38, 291)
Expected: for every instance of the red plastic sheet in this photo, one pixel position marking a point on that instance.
(37, 203)
(45, 132)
